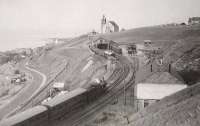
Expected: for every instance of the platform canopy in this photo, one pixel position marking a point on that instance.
(156, 91)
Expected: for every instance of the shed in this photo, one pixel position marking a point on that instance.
(103, 43)
(148, 93)
(59, 85)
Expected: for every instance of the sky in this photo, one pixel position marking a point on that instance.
(24, 23)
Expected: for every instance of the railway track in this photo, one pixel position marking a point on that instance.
(115, 89)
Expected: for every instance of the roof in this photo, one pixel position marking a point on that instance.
(20, 117)
(107, 40)
(65, 97)
(157, 91)
(163, 78)
(58, 85)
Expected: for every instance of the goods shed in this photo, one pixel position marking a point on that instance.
(103, 43)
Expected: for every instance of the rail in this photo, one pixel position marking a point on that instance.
(126, 79)
(37, 98)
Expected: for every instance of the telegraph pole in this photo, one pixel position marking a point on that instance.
(124, 93)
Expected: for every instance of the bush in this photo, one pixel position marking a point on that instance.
(16, 72)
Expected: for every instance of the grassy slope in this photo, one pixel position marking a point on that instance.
(75, 53)
(48, 59)
(156, 33)
(3, 58)
(181, 45)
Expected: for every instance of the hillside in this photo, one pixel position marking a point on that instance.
(169, 33)
(3, 58)
(72, 56)
(180, 44)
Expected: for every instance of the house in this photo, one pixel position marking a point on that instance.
(194, 20)
(59, 86)
(147, 43)
(148, 93)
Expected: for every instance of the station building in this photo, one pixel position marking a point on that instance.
(103, 43)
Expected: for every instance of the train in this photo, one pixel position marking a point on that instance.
(57, 107)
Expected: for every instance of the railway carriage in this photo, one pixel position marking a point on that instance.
(36, 116)
(116, 49)
(59, 106)
(96, 89)
(63, 104)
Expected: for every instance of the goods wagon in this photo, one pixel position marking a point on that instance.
(55, 108)
(95, 91)
(116, 49)
(109, 53)
(36, 116)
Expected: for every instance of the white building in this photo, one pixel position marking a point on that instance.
(139, 48)
(59, 85)
(108, 26)
(148, 93)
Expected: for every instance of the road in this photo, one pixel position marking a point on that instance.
(39, 79)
